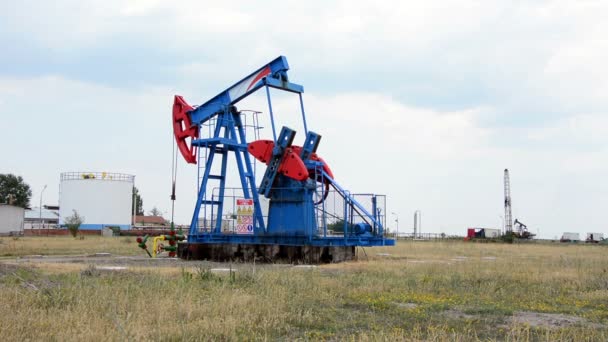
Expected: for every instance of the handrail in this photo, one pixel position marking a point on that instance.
(105, 176)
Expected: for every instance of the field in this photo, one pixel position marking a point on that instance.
(447, 291)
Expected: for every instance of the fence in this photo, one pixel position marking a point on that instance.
(424, 236)
(57, 232)
(334, 215)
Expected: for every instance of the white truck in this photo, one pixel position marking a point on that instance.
(570, 237)
(594, 237)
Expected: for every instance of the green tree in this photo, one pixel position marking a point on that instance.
(16, 188)
(138, 203)
(73, 223)
(336, 227)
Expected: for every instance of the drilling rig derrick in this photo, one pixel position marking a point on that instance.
(508, 217)
(522, 230)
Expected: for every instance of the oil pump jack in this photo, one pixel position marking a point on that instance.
(297, 185)
(522, 231)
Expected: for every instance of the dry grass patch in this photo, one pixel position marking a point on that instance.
(64, 245)
(488, 295)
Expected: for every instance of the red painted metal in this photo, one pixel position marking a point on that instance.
(262, 151)
(315, 157)
(292, 166)
(265, 72)
(183, 129)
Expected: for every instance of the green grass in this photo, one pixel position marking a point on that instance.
(65, 245)
(449, 291)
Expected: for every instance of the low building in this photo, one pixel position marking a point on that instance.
(36, 218)
(151, 220)
(11, 219)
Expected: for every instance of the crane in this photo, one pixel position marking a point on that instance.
(296, 184)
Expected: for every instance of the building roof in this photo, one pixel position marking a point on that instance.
(34, 214)
(149, 219)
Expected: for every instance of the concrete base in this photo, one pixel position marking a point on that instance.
(266, 253)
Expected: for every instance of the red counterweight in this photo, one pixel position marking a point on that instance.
(262, 151)
(183, 129)
(291, 165)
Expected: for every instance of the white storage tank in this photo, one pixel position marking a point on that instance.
(104, 199)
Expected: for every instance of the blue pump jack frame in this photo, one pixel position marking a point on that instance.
(229, 137)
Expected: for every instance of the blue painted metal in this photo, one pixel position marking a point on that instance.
(274, 130)
(273, 74)
(303, 114)
(310, 146)
(293, 216)
(272, 171)
(233, 140)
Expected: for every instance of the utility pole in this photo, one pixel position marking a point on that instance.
(396, 221)
(132, 207)
(134, 221)
(40, 208)
(417, 223)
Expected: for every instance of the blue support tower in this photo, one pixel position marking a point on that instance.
(297, 184)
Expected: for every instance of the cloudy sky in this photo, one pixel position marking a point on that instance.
(426, 102)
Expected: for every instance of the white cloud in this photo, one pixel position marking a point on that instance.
(411, 98)
(386, 123)
(53, 125)
(544, 55)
